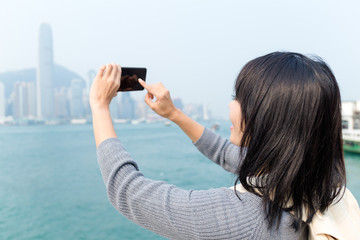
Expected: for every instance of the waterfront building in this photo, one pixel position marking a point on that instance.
(31, 98)
(206, 113)
(18, 102)
(114, 107)
(195, 111)
(141, 110)
(126, 106)
(351, 126)
(44, 78)
(76, 98)
(2, 101)
(91, 75)
(24, 100)
(178, 103)
(90, 79)
(61, 108)
(350, 114)
(86, 103)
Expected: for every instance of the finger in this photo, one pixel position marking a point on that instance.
(154, 89)
(144, 84)
(114, 71)
(101, 71)
(150, 95)
(149, 101)
(160, 84)
(163, 89)
(108, 70)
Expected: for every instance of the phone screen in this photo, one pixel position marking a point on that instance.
(129, 78)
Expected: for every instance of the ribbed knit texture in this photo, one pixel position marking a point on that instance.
(181, 214)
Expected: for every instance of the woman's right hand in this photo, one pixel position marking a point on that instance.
(162, 104)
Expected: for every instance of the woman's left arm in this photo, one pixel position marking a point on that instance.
(103, 90)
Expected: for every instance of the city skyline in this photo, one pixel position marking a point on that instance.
(40, 101)
(196, 49)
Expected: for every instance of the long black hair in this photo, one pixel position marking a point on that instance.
(291, 121)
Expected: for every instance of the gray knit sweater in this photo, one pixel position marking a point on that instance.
(186, 214)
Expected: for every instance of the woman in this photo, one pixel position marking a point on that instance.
(285, 147)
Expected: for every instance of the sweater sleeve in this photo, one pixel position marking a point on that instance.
(219, 150)
(170, 211)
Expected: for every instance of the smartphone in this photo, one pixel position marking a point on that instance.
(129, 79)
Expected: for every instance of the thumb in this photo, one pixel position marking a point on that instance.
(149, 101)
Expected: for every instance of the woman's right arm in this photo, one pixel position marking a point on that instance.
(220, 150)
(216, 148)
(159, 100)
(212, 145)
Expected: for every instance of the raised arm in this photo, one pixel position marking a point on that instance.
(103, 90)
(219, 150)
(213, 146)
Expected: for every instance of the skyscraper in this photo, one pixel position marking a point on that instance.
(31, 99)
(76, 98)
(19, 109)
(140, 110)
(44, 81)
(90, 79)
(24, 100)
(127, 106)
(86, 93)
(61, 108)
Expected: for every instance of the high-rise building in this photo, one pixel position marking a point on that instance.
(76, 98)
(195, 111)
(61, 106)
(127, 106)
(24, 100)
(19, 100)
(2, 101)
(9, 105)
(91, 76)
(31, 99)
(178, 103)
(206, 113)
(114, 107)
(44, 81)
(86, 92)
(141, 110)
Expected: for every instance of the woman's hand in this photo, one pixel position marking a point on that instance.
(105, 86)
(163, 105)
(103, 90)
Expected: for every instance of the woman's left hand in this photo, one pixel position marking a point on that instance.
(105, 86)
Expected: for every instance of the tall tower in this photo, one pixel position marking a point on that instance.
(127, 106)
(86, 93)
(19, 108)
(44, 81)
(76, 99)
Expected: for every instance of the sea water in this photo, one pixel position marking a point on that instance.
(51, 186)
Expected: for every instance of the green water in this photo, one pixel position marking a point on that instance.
(51, 187)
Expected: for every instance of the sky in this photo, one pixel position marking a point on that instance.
(195, 48)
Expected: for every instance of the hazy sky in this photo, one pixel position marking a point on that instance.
(196, 48)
